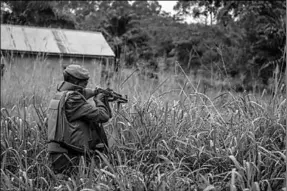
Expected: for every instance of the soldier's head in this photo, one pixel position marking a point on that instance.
(77, 75)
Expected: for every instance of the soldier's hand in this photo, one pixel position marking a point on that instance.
(102, 100)
(101, 97)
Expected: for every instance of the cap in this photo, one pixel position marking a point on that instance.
(77, 71)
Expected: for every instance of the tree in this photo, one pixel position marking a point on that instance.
(265, 26)
(35, 13)
(116, 20)
(252, 32)
(197, 8)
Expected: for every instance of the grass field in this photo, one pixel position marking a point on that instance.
(168, 137)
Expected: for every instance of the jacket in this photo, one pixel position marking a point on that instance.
(74, 125)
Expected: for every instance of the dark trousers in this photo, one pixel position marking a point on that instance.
(64, 163)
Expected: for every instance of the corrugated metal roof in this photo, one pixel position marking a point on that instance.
(54, 41)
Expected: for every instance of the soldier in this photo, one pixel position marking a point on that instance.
(74, 125)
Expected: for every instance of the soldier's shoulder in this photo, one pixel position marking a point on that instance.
(74, 96)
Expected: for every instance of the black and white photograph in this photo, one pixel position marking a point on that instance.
(121, 95)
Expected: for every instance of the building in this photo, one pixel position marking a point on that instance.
(56, 46)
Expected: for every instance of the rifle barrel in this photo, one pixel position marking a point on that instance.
(113, 95)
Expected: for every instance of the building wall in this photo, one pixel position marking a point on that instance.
(54, 60)
(99, 68)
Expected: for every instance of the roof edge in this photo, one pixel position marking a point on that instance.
(57, 54)
(51, 28)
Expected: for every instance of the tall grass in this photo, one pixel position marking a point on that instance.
(170, 136)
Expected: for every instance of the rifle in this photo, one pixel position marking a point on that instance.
(112, 96)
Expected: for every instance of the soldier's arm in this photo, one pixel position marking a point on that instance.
(78, 108)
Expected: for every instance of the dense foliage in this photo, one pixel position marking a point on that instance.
(241, 39)
(159, 141)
